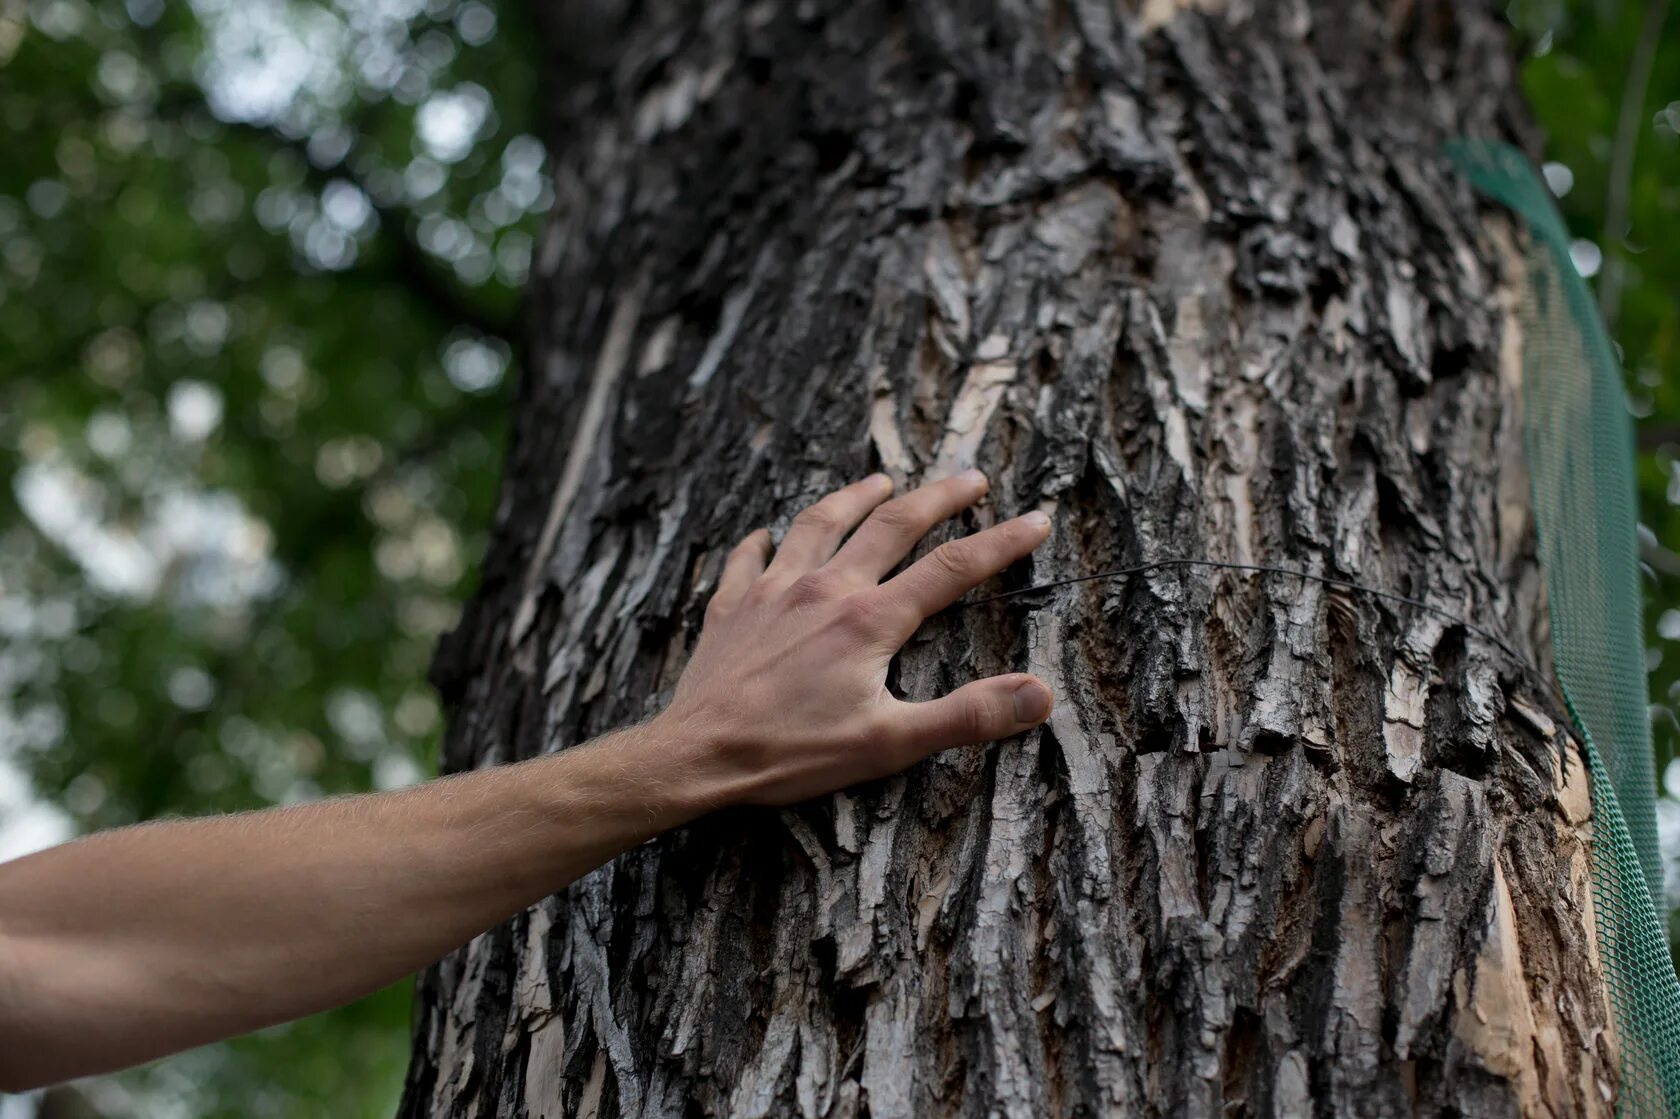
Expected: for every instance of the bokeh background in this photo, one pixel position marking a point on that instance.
(260, 274)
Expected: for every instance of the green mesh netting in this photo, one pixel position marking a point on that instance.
(1579, 443)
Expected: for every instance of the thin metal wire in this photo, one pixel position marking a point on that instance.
(1263, 568)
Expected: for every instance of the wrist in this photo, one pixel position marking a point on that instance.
(700, 764)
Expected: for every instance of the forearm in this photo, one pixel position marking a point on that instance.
(128, 945)
(109, 955)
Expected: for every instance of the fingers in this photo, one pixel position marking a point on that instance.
(983, 711)
(745, 563)
(956, 567)
(893, 529)
(819, 528)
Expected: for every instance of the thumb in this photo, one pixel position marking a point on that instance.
(983, 711)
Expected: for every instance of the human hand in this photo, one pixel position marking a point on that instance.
(787, 687)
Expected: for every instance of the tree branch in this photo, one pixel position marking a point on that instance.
(1650, 436)
(1660, 559)
(1621, 159)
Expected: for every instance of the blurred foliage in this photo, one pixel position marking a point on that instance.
(260, 264)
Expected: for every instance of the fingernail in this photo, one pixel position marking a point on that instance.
(1032, 702)
(1037, 518)
(973, 477)
(879, 481)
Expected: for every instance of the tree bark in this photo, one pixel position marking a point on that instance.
(1191, 277)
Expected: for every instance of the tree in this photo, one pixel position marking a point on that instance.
(1194, 278)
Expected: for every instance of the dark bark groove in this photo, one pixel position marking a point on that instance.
(1191, 277)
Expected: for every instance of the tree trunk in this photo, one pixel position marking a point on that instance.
(1191, 277)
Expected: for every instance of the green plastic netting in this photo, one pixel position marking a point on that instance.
(1578, 437)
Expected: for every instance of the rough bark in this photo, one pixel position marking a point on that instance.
(1194, 279)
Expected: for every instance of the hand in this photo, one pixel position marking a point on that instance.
(788, 682)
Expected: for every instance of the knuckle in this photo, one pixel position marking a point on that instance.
(814, 586)
(891, 737)
(881, 729)
(897, 516)
(862, 614)
(978, 719)
(822, 516)
(958, 558)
